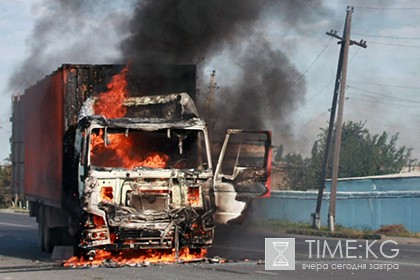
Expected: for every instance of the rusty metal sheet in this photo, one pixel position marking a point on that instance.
(17, 145)
(43, 106)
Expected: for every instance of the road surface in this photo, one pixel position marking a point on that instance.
(242, 247)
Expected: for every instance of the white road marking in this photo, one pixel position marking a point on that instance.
(266, 272)
(15, 225)
(239, 248)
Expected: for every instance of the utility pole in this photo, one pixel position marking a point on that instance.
(339, 123)
(340, 84)
(316, 222)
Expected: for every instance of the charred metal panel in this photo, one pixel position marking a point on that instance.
(148, 79)
(43, 105)
(82, 82)
(17, 142)
(172, 107)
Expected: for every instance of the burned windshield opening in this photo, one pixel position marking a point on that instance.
(133, 148)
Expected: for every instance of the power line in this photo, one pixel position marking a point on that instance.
(313, 103)
(390, 97)
(407, 104)
(395, 45)
(383, 85)
(383, 123)
(383, 103)
(291, 108)
(316, 118)
(351, 58)
(387, 37)
(313, 62)
(387, 8)
(319, 92)
(380, 120)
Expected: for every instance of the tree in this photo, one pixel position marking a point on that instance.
(298, 170)
(5, 185)
(362, 154)
(365, 154)
(296, 166)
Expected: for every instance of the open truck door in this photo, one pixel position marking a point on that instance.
(242, 173)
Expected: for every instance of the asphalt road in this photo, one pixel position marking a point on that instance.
(242, 247)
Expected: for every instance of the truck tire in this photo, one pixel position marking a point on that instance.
(41, 229)
(45, 233)
(48, 244)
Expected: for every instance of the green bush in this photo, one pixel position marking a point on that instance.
(6, 193)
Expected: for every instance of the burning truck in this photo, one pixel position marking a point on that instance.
(106, 170)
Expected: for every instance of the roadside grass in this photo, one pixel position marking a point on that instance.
(340, 231)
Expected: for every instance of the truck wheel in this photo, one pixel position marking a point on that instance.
(41, 230)
(44, 231)
(48, 244)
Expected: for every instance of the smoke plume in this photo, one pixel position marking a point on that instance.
(260, 94)
(173, 31)
(72, 32)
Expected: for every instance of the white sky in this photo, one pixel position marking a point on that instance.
(15, 26)
(383, 80)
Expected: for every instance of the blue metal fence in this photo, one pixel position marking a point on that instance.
(362, 203)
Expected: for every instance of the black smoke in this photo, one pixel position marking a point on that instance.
(264, 92)
(173, 31)
(186, 31)
(261, 94)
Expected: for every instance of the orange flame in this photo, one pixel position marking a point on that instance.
(111, 102)
(193, 196)
(133, 257)
(106, 194)
(121, 151)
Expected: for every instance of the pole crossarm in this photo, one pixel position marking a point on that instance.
(333, 33)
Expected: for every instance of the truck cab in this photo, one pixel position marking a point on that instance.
(145, 185)
(149, 182)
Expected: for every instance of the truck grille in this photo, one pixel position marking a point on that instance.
(138, 234)
(146, 239)
(144, 201)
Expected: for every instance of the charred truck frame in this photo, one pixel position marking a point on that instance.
(145, 180)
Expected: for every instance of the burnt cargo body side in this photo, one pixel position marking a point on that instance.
(50, 107)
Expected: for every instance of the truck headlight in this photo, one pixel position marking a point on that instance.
(107, 194)
(194, 196)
